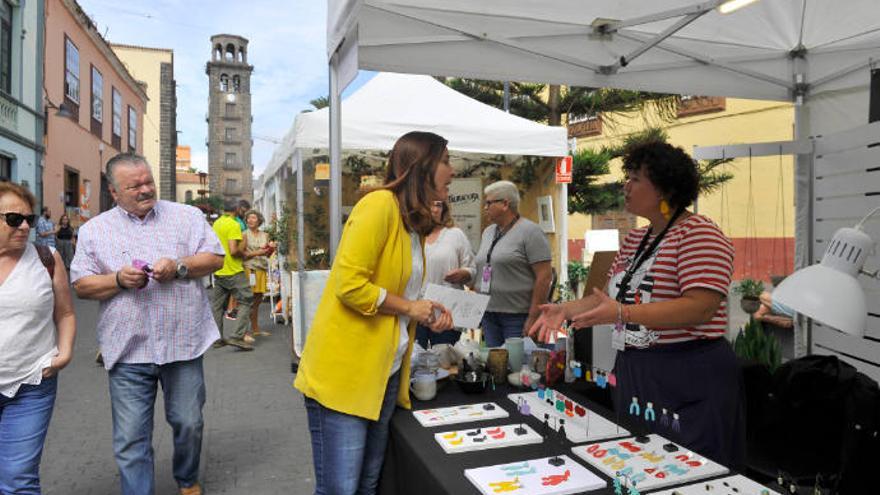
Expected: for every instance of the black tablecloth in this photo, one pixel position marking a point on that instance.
(416, 464)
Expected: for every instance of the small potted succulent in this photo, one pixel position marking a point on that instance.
(750, 291)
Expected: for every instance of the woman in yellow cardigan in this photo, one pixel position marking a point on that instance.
(355, 365)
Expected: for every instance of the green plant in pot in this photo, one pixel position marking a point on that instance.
(750, 291)
(754, 344)
(577, 273)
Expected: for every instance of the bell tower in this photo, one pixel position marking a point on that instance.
(229, 118)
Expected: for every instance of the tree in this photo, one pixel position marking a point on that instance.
(319, 103)
(585, 195)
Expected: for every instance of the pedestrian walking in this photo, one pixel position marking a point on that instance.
(230, 280)
(143, 260)
(256, 266)
(36, 340)
(64, 240)
(45, 232)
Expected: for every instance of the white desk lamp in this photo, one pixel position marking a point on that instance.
(830, 292)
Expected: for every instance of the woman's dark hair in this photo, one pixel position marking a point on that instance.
(62, 218)
(410, 176)
(672, 171)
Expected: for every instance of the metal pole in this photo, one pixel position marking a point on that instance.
(335, 157)
(507, 96)
(300, 244)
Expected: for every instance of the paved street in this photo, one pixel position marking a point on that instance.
(256, 436)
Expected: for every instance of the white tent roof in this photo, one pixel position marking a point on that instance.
(390, 105)
(745, 54)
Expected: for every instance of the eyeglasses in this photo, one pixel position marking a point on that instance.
(489, 202)
(15, 219)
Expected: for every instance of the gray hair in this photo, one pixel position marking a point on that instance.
(506, 190)
(129, 159)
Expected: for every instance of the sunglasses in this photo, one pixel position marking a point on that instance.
(16, 219)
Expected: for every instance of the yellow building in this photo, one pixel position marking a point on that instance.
(190, 185)
(755, 208)
(154, 69)
(183, 156)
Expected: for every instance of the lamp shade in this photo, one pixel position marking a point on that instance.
(826, 295)
(829, 292)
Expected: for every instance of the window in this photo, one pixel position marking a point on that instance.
(230, 160)
(230, 109)
(132, 128)
(117, 119)
(188, 196)
(71, 188)
(5, 169)
(71, 71)
(97, 95)
(236, 84)
(230, 134)
(224, 83)
(5, 46)
(231, 186)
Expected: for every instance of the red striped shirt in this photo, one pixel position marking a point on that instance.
(693, 254)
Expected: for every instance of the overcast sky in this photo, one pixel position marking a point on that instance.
(287, 49)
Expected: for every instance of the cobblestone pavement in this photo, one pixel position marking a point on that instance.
(256, 438)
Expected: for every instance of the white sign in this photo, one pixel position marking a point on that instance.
(466, 206)
(467, 307)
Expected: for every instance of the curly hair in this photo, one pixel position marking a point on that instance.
(669, 168)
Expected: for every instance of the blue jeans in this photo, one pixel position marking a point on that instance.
(133, 390)
(347, 450)
(499, 326)
(425, 335)
(24, 421)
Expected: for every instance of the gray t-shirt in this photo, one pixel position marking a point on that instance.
(512, 259)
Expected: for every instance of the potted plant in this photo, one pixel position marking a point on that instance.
(750, 291)
(577, 273)
(753, 344)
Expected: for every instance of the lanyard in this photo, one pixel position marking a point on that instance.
(498, 235)
(641, 255)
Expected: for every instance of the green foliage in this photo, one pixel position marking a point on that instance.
(319, 103)
(282, 232)
(577, 272)
(754, 344)
(749, 288)
(208, 204)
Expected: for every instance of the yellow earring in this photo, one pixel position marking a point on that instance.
(665, 210)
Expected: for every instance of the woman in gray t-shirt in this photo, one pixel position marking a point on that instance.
(513, 266)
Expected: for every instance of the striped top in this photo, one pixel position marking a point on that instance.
(161, 323)
(693, 254)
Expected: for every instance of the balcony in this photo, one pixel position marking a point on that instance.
(8, 113)
(698, 105)
(591, 126)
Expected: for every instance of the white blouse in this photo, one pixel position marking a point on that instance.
(450, 251)
(27, 335)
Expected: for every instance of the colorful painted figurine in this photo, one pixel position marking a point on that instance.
(634, 408)
(649, 412)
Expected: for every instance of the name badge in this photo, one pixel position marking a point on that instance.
(618, 338)
(486, 280)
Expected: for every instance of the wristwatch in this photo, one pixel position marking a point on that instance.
(182, 270)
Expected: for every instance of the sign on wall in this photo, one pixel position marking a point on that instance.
(466, 206)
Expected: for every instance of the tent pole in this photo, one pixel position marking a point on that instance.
(300, 243)
(335, 157)
(803, 246)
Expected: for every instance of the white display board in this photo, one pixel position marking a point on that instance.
(459, 414)
(535, 477)
(741, 484)
(313, 288)
(490, 437)
(649, 464)
(466, 207)
(578, 428)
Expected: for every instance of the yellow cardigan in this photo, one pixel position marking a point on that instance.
(350, 346)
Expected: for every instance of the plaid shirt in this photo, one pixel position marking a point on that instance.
(161, 323)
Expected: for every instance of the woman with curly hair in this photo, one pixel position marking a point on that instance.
(666, 298)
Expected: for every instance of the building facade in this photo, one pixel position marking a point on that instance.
(229, 118)
(755, 209)
(154, 68)
(190, 184)
(21, 101)
(100, 112)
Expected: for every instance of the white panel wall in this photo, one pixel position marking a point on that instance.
(846, 186)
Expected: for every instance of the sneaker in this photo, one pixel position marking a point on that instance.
(262, 333)
(240, 343)
(191, 490)
(232, 315)
(247, 338)
(218, 344)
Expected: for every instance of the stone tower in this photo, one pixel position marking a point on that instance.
(229, 118)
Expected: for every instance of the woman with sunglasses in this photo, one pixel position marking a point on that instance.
(36, 341)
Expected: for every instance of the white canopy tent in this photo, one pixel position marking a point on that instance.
(390, 105)
(815, 53)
